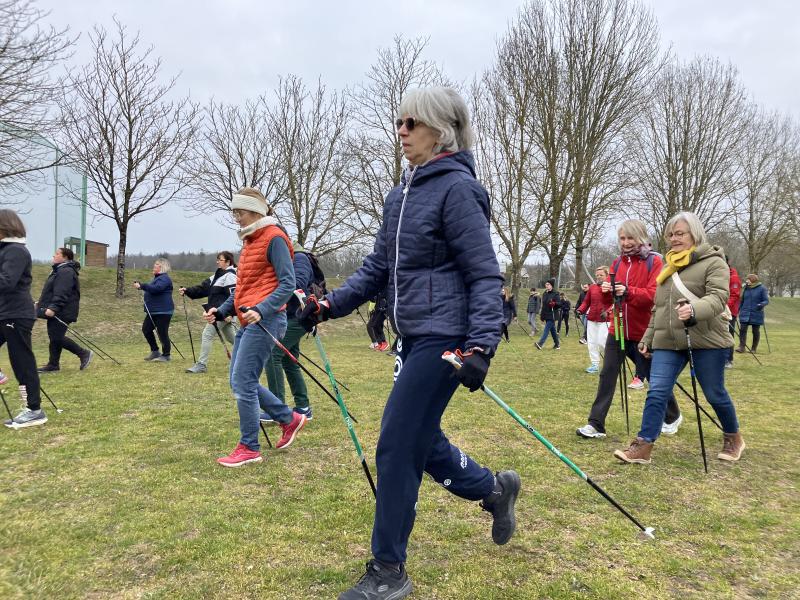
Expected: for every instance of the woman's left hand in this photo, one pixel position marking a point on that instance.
(685, 311)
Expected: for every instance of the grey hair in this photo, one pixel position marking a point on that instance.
(165, 266)
(443, 110)
(635, 229)
(696, 229)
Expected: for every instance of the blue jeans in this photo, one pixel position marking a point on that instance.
(709, 366)
(252, 349)
(549, 328)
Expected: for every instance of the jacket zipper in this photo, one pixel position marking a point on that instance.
(397, 245)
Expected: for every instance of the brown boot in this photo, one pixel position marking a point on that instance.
(740, 349)
(638, 452)
(732, 446)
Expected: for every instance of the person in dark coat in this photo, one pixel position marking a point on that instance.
(434, 252)
(751, 311)
(59, 303)
(158, 308)
(509, 311)
(375, 322)
(17, 317)
(551, 308)
(564, 314)
(217, 289)
(534, 306)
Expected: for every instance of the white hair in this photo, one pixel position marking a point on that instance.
(443, 110)
(693, 224)
(165, 266)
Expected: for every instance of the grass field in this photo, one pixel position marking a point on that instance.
(120, 497)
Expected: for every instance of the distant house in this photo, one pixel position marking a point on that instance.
(96, 252)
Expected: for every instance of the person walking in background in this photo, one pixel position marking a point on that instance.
(595, 309)
(158, 310)
(534, 306)
(751, 311)
(59, 303)
(265, 283)
(17, 317)
(509, 310)
(635, 272)
(375, 323)
(582, 316)
(692, 293)
(734, 300)
(551, 306)
(279, 363)
(217, 288)
(564, 313)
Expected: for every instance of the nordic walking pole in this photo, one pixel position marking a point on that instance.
(681, 302)
(345, 414)
(264, 429)
(766, 337)
(646, 532)
(307, 359)
(189, 329)
(748, 348)
(523, 329)
(295, 361)
(206, 308)
(41, 389)
(339, 400)
(363, 320)
(174, 345)
(100, 352)
(619, 334)
(8, 410)
(46, 395)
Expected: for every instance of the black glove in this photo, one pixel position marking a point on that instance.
(40, 312)
(475, 365)
(314, 312)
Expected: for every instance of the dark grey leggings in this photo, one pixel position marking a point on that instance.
(162, 328)
(743, 334)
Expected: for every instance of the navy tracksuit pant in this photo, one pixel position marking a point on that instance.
(412, 441)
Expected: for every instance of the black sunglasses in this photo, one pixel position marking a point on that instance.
(409, 122)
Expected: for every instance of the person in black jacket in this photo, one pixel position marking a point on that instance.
(563, 316)
(59, 303)
(375, 323)
(217, 289)
(551, 307)
(17, 317)
(509, 311)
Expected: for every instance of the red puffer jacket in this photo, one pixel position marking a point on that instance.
(736, 292)
(595, 304)
(640, 294)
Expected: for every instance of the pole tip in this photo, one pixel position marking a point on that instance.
(648, 533)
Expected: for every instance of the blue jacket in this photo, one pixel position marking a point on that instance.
(434, 254)
(751, 309)
(158, 295)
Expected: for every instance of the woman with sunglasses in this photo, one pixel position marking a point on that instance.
(435, 254)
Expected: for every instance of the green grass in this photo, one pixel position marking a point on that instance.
(119, 496)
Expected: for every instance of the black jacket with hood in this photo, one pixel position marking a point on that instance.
(62, 292)
(15, 280)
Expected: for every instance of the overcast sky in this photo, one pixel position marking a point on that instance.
(237, 49)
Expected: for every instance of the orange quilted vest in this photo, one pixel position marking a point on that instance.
(255, 276)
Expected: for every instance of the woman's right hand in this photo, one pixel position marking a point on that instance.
(210, 315)
(644, 350)
(182, 291)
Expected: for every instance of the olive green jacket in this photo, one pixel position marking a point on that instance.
(707, 277)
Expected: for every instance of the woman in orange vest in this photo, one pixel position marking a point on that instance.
(265, 281)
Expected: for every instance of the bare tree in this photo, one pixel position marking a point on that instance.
(611, 58)
(376, 156)
(308, 127)
(234, 150)
(28, 51)
(683, 151)
(769, 153)
(123, 132)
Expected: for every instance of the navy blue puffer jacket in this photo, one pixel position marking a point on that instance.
(434, 254)
(754, 299)
(158, 295)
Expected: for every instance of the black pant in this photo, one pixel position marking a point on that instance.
(57, 332)
(375, 326)
(162, 328)
(743, 335)
(17, 334)
(565, 318)
(504, 330)
(609, 378)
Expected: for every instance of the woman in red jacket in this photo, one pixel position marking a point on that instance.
(634, 272)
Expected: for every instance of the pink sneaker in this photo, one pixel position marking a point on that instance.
(3, 378)
(636, 384)
(241, 455)
(382, 347)
(290, 429)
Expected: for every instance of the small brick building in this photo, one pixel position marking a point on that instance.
(96, 252)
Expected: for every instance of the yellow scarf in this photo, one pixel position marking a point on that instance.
(675, 262)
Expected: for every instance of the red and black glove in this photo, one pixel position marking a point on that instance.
(474, 366)
(314, 312)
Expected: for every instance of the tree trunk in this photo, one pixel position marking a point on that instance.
(578, 267)
(123, 241)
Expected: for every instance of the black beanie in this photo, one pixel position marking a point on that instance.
(552, 282)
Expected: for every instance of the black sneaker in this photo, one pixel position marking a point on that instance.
(380, 583)
(86, 358)
(501, 505)
(538, 345)
(48, 368)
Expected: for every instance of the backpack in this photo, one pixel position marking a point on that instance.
(650, 259)
(317, 285)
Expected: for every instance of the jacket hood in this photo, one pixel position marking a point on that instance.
(704, 251)
(457, 161)
(70, 264)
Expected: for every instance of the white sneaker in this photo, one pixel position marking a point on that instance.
(672, 428)
(588, 431)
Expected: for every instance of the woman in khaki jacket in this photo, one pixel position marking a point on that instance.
(702, 269)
